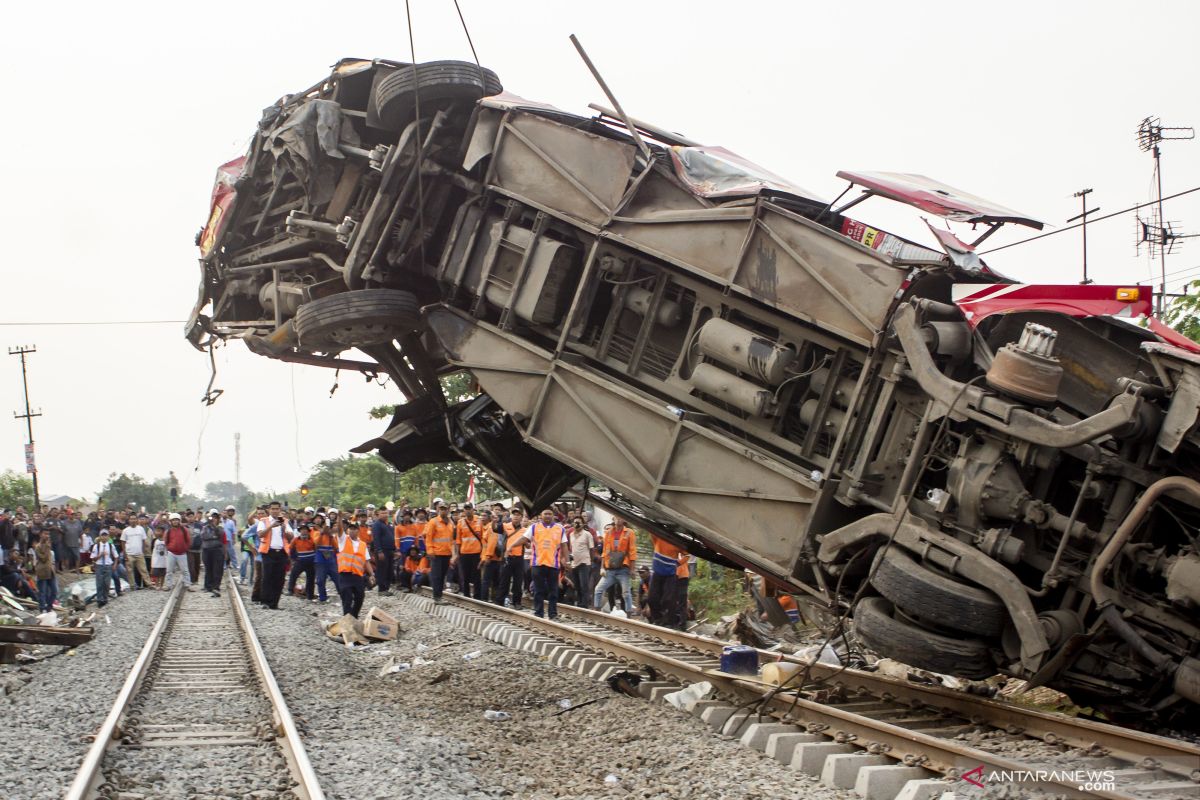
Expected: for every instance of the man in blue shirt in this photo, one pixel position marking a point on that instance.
(383, 543)
(229, 525)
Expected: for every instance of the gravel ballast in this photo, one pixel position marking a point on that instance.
(422, 733)
(48, 722)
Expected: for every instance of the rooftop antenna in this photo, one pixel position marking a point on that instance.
(1082, 195)
(1158, 234)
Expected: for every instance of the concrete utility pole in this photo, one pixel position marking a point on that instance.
(30, 461)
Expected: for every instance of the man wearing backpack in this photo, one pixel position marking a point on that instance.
(104, 560)
(468, 546)
(619, 554)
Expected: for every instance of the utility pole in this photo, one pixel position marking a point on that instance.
(1082, 195)
(30, 459)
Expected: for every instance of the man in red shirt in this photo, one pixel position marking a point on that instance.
(179, 539)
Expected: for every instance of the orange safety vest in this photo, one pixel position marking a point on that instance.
(364, 534)
(264, 542)
(489, 544)
(300, 545)
(439, 537)
(788, 604)
(510, 531)
(352, 557)
(547, 544)
(468, 538)
(622, 540)
(414, 565)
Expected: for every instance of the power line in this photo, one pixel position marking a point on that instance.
(95, 322)
(1091, 221)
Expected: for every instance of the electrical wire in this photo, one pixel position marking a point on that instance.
(94, 322)
(465, 31)
(418, 142)
(1091, 221)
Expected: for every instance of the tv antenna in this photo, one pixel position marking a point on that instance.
(1159, 235)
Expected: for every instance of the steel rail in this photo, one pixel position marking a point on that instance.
(110, 731)
(909, 746)
(309, 787)
(1173, 755)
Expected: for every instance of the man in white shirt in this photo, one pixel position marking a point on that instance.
(104, 559)
(134, 538)
(274, 532)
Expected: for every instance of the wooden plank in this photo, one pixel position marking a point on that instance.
(37, 634)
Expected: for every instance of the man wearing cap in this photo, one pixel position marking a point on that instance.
(468, 549)
(212, 549)
(179, 539)
(325, 539)
(439, 545)
(229, 526)
(274, 532)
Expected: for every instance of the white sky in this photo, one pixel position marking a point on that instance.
(119, 113)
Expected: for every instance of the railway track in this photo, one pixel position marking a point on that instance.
(200, 714)
(858, 729)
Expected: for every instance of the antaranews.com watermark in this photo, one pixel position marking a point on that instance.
(1084, 780)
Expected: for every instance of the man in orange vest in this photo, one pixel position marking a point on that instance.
(548, 542)
(663, 578)
(274, 533)
(439, 545)
(616, 559)
(512, 574)
(492, 558)
(304, 561)
(468, 550)
(354, 564)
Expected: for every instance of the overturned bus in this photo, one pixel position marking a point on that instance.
(990, 476)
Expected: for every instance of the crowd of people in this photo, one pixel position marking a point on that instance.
(494, 554)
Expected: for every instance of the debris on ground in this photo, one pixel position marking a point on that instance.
(497, 716)
(686, 698)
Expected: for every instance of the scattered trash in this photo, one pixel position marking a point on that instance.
(612, 780)
(564, 703)
(49, 619)
(422, 647)
(579, 705)
(471, 656)
(420, 662)
(824, 655)
(348, 629)
(380, 625)
(625, 682)
(616, 612)
(70, 652)
(497, 716)
(107, 619)
(394, 667)
(384, 653)
(686, 698)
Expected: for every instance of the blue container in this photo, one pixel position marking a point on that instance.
(738, 659)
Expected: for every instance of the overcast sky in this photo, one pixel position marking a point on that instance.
(119, 113)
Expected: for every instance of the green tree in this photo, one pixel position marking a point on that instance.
(449, 479)
(124, 489)
(1183, 313)
(15, 490)
(218, 494)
